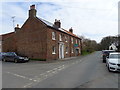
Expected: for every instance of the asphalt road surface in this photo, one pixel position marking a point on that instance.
(81, 72)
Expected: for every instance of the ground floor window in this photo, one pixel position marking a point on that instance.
(72, 50)
(53, 50)
(79, 50)
(66, 50)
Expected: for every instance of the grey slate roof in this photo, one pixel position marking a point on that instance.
(56, 28)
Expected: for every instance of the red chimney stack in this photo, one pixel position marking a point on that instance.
(32, 11)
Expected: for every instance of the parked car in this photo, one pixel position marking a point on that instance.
(12, 56)
(1, 55)
(113, 62)
(105, 53)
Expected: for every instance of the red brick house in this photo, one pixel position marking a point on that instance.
(40, 39)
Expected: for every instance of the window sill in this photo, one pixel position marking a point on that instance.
(53, 53)
(53, 39)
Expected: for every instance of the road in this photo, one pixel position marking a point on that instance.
(81, 72)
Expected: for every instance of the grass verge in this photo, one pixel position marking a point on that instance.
(85, 53)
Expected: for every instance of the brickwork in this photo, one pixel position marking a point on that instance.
(67, 43)
(31, 39)
(34, 39)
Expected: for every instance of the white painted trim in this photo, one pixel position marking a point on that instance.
(53, 53)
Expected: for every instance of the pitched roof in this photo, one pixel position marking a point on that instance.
(5, 36)
(55, 27)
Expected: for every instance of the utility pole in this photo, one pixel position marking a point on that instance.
(13, 20)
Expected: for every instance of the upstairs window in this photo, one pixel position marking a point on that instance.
(60, 37)
(66, 50)
(66, 39)
(53, 50)
(71, 40)
(76, 41)
(53, 36)
(79, 42)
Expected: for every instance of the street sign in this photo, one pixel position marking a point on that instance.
(75, 45)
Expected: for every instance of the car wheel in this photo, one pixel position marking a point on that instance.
(108, 68)
(4, 60)
(106, 65)
(16, 61)
(103, 61)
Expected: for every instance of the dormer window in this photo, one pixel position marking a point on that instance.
(53, 36)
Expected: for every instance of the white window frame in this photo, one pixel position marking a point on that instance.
(66, 50)
(72, 51)
(76, 41)
(66, 39)
(71, 39)
(80, 50)
(79, 42)
(53, 36)
(53, 51)
(60, 37)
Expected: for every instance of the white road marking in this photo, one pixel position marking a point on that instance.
(55, 68)
(43, 76)
(49, 71)
(28, 85)
(17, 75)
(34, 80)
(30, 79)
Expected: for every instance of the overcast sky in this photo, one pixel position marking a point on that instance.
(93, 19)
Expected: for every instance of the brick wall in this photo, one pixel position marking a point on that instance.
(31, 39)
(51, 43)
(9, 44)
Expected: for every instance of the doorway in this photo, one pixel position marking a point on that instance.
(61, 50)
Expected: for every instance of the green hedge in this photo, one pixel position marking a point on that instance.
(86, 52)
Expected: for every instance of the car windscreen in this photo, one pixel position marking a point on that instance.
(114, 56)
(10, 54)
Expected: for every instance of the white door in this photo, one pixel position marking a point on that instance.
(61, 51)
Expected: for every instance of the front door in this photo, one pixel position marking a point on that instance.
(61, 50)
(76, 52)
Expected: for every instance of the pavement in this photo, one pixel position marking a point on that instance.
(76, 72)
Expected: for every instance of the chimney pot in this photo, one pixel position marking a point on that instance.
(57, 23)
(71, 30)
(55, 20)
(32, 11)
(17, 25)
(32, 7)
(17, 28)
